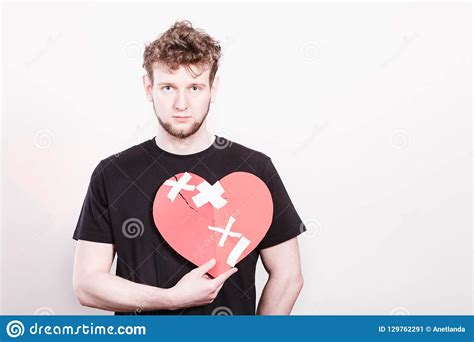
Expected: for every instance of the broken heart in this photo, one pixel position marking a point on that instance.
(225, 220)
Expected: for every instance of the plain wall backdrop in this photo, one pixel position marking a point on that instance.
(365, 110)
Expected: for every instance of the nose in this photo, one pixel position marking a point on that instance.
(181, 102)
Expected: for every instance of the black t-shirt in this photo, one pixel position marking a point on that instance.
(123, 187)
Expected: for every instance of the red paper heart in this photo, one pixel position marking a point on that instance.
(197, 231)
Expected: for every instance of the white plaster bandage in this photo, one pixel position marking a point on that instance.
(210, 194)
(225, 232)
(177, 186)
(237, 251)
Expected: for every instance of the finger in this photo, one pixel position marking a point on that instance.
(204, 268)
(206, 276)
(219, 288)
(216, 291)
(219, 280)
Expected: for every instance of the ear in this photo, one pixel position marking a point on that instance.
(214, 88)
(148, 87)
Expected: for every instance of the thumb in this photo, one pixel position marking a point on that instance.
(204, 268)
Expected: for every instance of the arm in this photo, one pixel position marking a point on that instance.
(285, 281)
(95, 287)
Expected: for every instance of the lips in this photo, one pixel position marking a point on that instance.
(181, 119)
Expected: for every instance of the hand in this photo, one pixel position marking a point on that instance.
(197, 288)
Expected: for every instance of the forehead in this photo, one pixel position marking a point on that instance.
(161, 74)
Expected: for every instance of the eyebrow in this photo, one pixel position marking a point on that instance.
(174, 85)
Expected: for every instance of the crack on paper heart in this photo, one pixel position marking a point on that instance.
(180, 194)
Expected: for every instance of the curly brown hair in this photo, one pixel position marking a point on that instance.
(183, 45)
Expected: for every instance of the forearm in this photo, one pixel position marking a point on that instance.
(109, 292)
(279, 295)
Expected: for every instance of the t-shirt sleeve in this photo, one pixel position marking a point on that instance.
(286, 223)
(94, 219)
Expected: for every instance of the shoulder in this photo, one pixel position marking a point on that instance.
(237, 149)
(134, 157)
(249, 158)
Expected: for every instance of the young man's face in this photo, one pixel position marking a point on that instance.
(180, 100)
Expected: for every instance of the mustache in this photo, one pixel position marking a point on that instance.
(181, 133)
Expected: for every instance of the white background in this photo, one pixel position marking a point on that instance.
(365, 110)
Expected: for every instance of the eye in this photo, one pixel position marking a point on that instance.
(166, 89)
(195, 89)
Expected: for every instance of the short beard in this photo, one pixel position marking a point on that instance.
(181, 134)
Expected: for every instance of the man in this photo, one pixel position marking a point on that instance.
(117, 214)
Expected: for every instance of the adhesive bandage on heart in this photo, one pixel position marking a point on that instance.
(238, 248)
(225, 220)
(177, 186)
(210, 194)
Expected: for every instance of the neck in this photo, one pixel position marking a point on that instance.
(197, 142)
